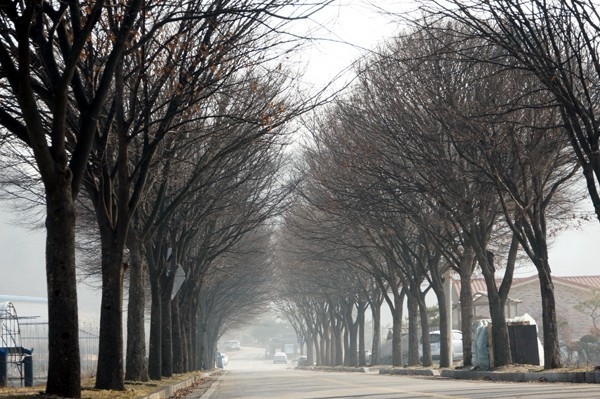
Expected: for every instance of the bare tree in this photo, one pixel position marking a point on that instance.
(557, 42)
(51, 105)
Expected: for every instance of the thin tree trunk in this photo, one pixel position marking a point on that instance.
(376, 348)
(154, 351)
(550, 326)
(466, 303)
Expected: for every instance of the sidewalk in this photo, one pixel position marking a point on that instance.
(191, 388)
(592, 377)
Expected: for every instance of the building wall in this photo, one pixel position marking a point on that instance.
(573, 324)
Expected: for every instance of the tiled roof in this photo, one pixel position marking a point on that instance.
(591, 282)
(586, 282)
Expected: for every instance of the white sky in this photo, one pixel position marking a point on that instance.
(355, 27)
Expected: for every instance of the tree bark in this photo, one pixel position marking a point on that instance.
(154, 352)
(177, 338)
(413, 331)
(136, 365)
(110, 371)
(397, 312)
(64, 370)
(550, 326)
(166, 343)
(445, 327)
(496, 303)
(360, 319)
(466, 303)
(426, 342)
(376, 347)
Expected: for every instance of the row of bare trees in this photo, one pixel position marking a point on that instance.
(171, 118)
(452, 154)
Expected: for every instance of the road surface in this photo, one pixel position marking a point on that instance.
(250, 376)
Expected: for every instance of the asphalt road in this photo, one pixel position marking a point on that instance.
(250, 376)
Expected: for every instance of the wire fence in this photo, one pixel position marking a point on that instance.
(35, 336)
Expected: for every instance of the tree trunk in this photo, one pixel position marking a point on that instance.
(466, 304)
(110, 372)
(362, 348)
(136, 367)
(353, 343)
(166, 343)
(445, 327)
(397, 329)
(318, 354)
(500, 338)
(550, 327)
(177, 338)
(64, 370)
(193, 346)
(310, 349)
(154, 352)
(325, 349)
(376, 348)
(338, 347)
(413, 331)
(425, 341)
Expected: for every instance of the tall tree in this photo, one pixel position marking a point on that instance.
(51, 104)
(556, 41)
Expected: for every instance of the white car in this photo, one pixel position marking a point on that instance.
(279, 357)
(434, 341)
(232, 345)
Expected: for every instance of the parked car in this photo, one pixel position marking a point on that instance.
(301, 361)
(434, 341)
(231, 345)
(279, 357)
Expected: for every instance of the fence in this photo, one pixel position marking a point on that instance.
(35, 335)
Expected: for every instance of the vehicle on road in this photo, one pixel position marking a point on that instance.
(231, 345)
(301, 361)
(279, 357)
(434, 341)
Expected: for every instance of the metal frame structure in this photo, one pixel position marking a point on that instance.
(10, 343)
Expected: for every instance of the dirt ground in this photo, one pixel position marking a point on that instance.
(132, 390)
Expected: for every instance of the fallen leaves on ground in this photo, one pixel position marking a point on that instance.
(133, 390)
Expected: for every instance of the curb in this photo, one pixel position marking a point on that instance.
(588, 377)
(574, 377)
(337, 368)
(169, 390)
(406, 371)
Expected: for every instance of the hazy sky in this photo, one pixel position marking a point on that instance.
(22, 268)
